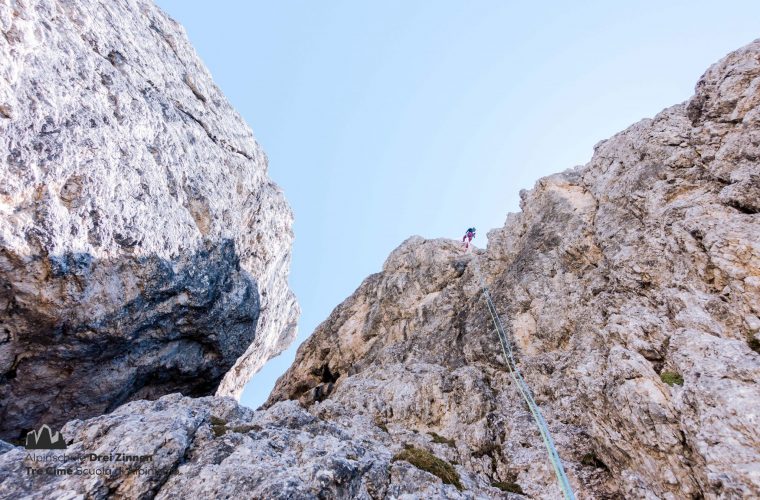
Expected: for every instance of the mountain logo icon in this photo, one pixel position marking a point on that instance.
(45, 439)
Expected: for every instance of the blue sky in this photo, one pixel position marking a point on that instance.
(384, 119)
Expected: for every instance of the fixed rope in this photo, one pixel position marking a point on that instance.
(522, 386)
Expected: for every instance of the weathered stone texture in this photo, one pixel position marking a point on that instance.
(635, 269)
(631, 289)
(143, 248)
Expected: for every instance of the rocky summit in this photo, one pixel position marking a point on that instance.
(629, 289)
(143, 248)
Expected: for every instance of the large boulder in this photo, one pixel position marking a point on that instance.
(143, 248)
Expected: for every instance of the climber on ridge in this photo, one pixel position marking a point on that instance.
(469, 235)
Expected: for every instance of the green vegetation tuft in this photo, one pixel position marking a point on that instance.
(245, 428)
(217, 421)
(508, 486)
(671, 378)
(428, 462)
(437, 438)
(218, 426)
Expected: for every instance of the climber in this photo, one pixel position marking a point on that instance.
(469, 235)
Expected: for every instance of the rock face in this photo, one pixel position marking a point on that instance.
(631, 290)
(213, 448)
(143, 248)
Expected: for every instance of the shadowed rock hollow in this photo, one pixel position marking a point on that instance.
(143, 248)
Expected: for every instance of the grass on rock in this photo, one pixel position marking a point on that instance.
(437, 438)
(428, 462)
(508, 486)
(671, 378)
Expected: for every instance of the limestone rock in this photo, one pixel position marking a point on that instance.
(631, 289)
(143, 248)
(212, 448)
(629, 286)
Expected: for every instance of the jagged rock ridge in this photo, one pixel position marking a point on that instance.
(143, 248)
(631, 288)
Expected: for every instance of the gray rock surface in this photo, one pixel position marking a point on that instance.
(618, 279)
(631, 288)
(212, 448)
(143, 248)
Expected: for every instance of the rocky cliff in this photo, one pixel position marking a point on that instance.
(143, 248)
(630, 287)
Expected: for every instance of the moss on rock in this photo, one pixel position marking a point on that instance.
(424, 460)
(671, 378)
(437, 438)
(508, 486)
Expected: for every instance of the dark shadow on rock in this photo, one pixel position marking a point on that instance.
(80, 336)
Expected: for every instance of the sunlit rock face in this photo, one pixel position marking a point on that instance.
(143, 248)
(631, 288)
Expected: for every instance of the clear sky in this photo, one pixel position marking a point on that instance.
(384, 119)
